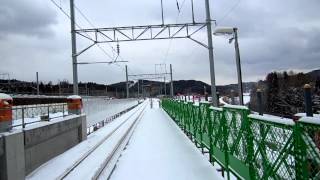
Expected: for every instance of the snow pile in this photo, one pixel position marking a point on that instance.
(215, 108)
(74, 97)
(305, 115)
(236, 107)
(246, 98)
(274, 119)
(5, 96)
(310, 120)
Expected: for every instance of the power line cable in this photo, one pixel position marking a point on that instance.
(112, 48)
(229, 11)
(93, 26)
(78, 26)
(177, 18)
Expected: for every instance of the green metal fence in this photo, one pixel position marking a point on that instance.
(248, 145)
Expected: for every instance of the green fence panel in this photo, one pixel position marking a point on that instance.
(274, 143)
(237, 142)
(308, 148)
(252, 146)
(216, 132)
(206, 125)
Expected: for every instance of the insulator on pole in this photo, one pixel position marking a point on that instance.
(118, 48)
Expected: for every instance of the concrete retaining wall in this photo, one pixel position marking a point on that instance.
(24, 151)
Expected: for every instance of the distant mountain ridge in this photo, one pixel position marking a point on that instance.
(14, 86)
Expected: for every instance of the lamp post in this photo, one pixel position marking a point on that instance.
(233, 31)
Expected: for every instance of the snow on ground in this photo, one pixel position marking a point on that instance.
(246, 98)
(159, 150)
(98, 109)
(56, 166)
(17, 124)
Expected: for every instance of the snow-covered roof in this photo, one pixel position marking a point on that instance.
(74, 97)
(310, 120)
(274, 119)
(5, 96)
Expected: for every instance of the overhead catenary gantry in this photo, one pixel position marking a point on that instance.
(142, 33)
(146, 32)
(149, 76)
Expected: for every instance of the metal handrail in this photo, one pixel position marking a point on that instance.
(36, 112)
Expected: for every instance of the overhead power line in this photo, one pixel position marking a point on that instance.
(78, 26)
(170, 43)
(114, 51)
(229, 11)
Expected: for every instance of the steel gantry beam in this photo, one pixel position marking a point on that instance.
(140, 33)
(146, 32)
(151, 76)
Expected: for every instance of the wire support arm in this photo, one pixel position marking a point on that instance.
(147, 32)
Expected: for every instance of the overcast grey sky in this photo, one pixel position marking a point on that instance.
(274, 35)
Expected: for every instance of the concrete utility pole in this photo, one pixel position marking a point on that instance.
(171, 83)
(106, 89)
(165, 86)
(59, 88)
(38, 90)
(162, 12)
(74, 50)
(211, 60)
(138, 88)
(236, 46)
(127, 83)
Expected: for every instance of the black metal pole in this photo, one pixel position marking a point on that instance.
(238, 62)
(308, 100)
(259, 99)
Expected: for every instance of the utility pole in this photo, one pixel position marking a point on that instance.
(127, 83)
(59, 88)
(193, 21)
(138, 88)
(236, 46)
(106, 89)
(165, 86)
(211, 59)
(143, 93)
(74, 50)
(37, 77)
(162, 12)
(171, 83)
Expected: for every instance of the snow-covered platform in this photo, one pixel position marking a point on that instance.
(144, 143)
(158, 149)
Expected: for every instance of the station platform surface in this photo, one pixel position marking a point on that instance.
(159, 150)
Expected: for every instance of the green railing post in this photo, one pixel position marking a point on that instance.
(299, 154)
(225, 144)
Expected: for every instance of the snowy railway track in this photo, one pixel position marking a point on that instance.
(127, 126)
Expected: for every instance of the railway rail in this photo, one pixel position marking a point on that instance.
(127, 126)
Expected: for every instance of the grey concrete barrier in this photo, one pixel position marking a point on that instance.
(24, 151)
